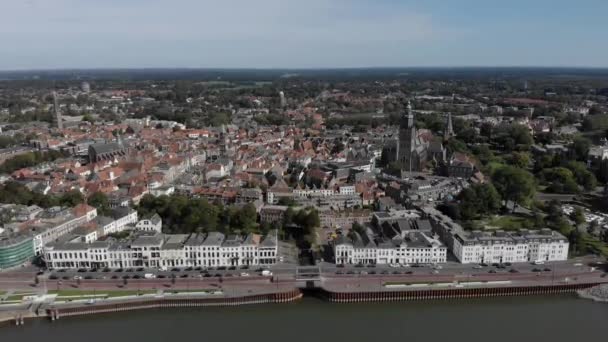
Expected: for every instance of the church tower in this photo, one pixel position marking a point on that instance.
(58, 120)
(448, 131)
(407, 140)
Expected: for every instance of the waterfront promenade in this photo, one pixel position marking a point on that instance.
(338, 284)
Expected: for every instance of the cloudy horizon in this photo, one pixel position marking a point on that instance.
(82, 34)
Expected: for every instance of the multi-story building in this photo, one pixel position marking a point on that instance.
(56, 222)
(500, 246)
(273, 213)
(411, 248)
(120, 219)
(345, 218)
(146, 249)
(15, 250)
(150, 224)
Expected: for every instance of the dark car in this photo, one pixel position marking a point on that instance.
(114, 277)
(141, 269)
(536, 270)
(492, 271)
(359, 265)
(53, 277)
(82, 270)
(161, 276)
(513, 270)
(371, 265)
(221, 268)
(547, 269)
(409, 272)
(88, 277)
(183, 276)
(350, 272)
(232, 268)
(137, 276)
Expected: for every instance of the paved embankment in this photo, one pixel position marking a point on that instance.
(597, 293)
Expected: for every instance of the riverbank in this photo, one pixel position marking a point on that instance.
(522, 319)
(392, 293)
(597, 293)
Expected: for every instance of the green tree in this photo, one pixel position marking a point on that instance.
(478, 200)
(583, 176)
(560, 180)
(578, 216)
(514, 184)
(100, 201)
(580, 146)
(71, 199)
(520, 159)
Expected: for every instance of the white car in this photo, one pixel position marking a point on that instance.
(394, 265)
(405, 265)
(244, 274)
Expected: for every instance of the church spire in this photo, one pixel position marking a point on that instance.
(448, 132)
(410, 115)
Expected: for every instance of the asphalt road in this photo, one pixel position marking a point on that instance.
(24, 278)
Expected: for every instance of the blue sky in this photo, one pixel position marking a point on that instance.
(301, 33)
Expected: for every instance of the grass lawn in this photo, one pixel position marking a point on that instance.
(109, 293)
(2, 293)
(191, 291)
(388, 283)
(595, 244)
(505, 222)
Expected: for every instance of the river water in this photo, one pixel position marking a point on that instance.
(518, 319)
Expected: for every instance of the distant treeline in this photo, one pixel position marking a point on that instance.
(30, 159)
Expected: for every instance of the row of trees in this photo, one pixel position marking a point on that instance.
(30, 159)
(12, 192)
(181, 214)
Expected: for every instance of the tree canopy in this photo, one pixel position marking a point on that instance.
(514, 184)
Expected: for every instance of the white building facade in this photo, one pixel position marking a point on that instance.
(418, 248)
(153, 250)
(501, 247)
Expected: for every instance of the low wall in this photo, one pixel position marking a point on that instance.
(453, 293)
(153, 303)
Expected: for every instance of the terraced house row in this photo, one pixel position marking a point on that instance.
(156, 250)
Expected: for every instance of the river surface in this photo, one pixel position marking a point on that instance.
(519, 319)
